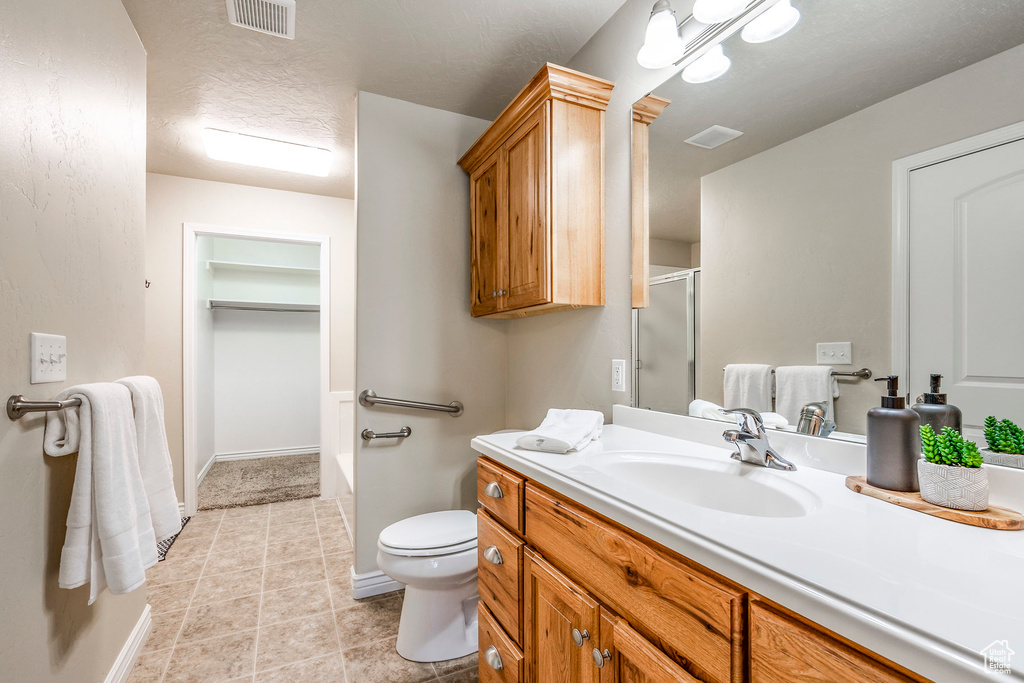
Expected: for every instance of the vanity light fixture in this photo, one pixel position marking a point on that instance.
(710, 66)
(251, 150)
(718, 11)
(662, 44)
(773, 23)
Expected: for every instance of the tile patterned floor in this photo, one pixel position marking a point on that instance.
(262, 595)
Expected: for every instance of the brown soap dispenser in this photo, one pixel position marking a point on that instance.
(894, 442)
(934, 411)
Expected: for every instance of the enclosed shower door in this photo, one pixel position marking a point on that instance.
(665, 344)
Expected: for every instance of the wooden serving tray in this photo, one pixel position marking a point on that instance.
(995, 517)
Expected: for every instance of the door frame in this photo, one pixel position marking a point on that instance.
(901, 169)
(190, 233)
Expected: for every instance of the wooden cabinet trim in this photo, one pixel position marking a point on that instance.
(645, 111)
(551, 82)
(512, 658)
(634, 659)
(487, 252)
(500, 585)
(508, 509)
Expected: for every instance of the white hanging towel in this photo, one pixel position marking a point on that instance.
(563, 431)
(748, 385)
(154, 455)
(798, 385)
(109, 541)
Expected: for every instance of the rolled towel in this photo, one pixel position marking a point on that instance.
(748, 385)
(798, 385)
(563, 431)
(713, 411)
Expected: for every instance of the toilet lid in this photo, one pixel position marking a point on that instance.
(434, 530)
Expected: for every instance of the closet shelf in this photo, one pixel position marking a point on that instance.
(276, 306)
(261, 268)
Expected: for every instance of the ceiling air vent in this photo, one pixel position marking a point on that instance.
(713, 137)
(274, 17)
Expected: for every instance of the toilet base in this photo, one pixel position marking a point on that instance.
(438, 625)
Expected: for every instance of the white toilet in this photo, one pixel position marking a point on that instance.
(434, 555)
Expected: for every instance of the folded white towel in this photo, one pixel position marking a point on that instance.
(563, 431)
(713, 411)
(798, 385)
(748, 385)
(154, 455)
(109, 541)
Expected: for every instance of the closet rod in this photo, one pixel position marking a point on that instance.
(220, 304)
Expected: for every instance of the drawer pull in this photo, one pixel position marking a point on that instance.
(494, 490)
(492, 555)
(493, 659)
(601, 657)
(578, 637)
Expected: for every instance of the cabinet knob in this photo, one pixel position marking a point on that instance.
(494, 294)
(578, 637)
(492, 555)
(601, 657)
(493, 490)
(492, 658)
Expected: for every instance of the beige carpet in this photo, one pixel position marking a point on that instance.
(239, 483)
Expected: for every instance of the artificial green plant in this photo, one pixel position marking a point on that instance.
(1003, 436)
(948, 448)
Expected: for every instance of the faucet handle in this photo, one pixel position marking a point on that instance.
(748, 414)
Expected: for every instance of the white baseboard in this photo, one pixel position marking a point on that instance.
(122, 668)
(373, 583)
(270, 453)
(202, 472)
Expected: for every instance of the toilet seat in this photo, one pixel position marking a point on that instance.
(435, 533)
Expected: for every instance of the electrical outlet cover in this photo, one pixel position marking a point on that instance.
(835, 353)
(49, 358)
(618, 375)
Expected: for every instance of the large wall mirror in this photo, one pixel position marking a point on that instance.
(856, 182)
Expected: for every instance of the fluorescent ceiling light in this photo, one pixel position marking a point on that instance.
(266, 153)
(718, 11)
(710, 66)
(662, 44)
(773, 23)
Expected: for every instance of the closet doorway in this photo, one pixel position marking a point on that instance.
(256, 323)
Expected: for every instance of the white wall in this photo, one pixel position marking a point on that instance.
(72, 245)
(172, 201)
(564, 359)
(416, 339)
(819, 209)
(206, 404)
(670, 253)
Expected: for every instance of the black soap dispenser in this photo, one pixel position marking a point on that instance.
(894, 442)
(934, 411)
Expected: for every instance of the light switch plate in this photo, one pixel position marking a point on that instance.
(618, 375)
(835, 353)
(49, 358)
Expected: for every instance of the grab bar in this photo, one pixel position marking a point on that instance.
(368, 399)
(404, 432)
(18, 405)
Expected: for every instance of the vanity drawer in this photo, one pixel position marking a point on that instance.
(500, 561)
(510, 656)
(786, 649)
(694, 617)
(501, 492)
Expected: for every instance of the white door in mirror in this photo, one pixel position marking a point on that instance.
(49, 356)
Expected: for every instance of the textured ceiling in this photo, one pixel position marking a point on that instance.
(841, 57)
(464, 56)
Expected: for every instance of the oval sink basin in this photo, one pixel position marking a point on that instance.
(724, 486)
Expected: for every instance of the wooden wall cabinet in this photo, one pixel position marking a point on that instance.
(601, 604)
(537, 199)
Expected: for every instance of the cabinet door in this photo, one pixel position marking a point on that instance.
(630, 658)
(489, 246)
(529, 260)
(555, 608)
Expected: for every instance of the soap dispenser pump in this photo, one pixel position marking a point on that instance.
(933, 409)
(893, 442)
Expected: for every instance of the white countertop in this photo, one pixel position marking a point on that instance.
(924, 592)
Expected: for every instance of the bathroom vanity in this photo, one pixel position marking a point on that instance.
(653, 558)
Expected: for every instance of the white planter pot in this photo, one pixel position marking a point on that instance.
(1005, 459)
(959, 488)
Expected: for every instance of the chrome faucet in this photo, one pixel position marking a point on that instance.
(751, 441)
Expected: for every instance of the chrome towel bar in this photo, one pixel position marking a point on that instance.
(368, 399)
(18, 405)
(404, 432)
